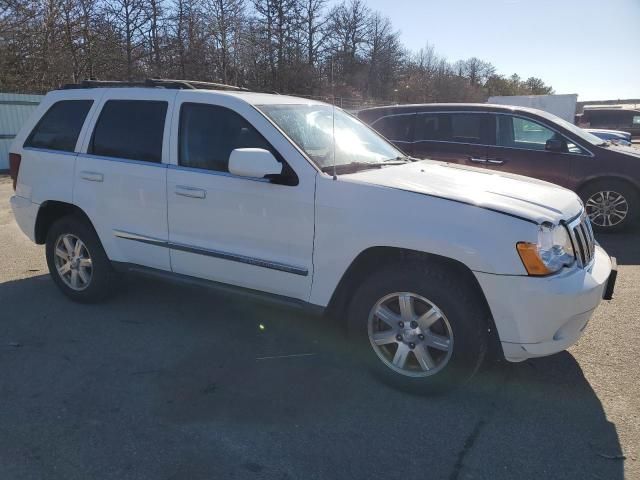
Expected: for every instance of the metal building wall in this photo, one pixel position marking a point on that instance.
(14, 111)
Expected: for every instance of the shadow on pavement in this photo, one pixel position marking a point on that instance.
(173, 382)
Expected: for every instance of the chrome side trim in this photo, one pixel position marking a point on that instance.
(233, 257)
(124, 160)
(216, 173)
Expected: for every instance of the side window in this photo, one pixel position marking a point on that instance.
(396, 127)
(58, 129)
(209, 133)
(519, 132)
(474, 128)
(467, 128)
(636, 121)
(130, 129)
(432, 126)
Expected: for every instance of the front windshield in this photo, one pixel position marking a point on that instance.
(311, 127)
(583, 134)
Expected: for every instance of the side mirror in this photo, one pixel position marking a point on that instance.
(253, 163)
(554, 145)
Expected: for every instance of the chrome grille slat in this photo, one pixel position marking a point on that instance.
(583, 240)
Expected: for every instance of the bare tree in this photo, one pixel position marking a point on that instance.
(130, 19)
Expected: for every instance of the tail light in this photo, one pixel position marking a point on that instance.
(14, 167)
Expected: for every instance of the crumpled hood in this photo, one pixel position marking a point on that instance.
(511, 194)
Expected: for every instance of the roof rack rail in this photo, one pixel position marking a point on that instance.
(154, 83)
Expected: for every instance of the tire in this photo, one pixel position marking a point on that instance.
(453, 296)
(600, 195)
(94, 280)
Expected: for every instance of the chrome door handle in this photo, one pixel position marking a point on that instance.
(495, 162)
(92, 176)
(190, 192)
(477, 160)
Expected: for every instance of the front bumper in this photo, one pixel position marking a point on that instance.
(540, 316)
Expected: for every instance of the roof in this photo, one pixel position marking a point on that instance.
(452, 106)
(209, 88)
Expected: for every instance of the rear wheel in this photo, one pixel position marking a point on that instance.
(611, 205)
(77, 262)
(420, 328)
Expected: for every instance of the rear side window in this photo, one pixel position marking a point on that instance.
(396, 127)
(475, 128)
(130, 129)
(58, 129)
(209, 133)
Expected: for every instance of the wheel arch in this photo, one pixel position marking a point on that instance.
(374, 258)
(52, 210)
(603, 178)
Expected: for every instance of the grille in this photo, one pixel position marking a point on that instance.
(584, 242)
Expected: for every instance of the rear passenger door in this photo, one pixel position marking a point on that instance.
(121, 174)
(456, 137)
(249, 232)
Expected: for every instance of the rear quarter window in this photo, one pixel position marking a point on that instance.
(60, 126)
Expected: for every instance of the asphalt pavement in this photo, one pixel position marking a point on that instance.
(169, 381)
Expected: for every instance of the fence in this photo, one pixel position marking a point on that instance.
(14, 111)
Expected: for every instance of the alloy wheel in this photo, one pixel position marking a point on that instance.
(607, 208)
(410, 334)
(73, 262)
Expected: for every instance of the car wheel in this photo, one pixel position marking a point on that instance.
(77, 262)
(421, 328)
(611, 205)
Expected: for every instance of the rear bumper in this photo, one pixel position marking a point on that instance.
(25, 213)
(540, 316)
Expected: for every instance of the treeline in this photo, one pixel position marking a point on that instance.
(303, 47)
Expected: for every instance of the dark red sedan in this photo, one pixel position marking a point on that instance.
(524, 141)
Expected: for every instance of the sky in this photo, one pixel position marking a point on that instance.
(588, 47)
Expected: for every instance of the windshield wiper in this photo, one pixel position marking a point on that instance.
(357, 166)
(351, 167)
(399, 159)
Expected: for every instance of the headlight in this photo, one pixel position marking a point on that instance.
(552, 252)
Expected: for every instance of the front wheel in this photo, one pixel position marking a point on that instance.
(422, 328)
(611, 205)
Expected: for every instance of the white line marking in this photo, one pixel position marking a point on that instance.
(295, 355)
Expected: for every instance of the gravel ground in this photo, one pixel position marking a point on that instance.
(178, 382)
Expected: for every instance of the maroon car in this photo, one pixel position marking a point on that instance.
(524, 141)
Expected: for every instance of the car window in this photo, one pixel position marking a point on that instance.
(474, 128)
(396, 127)
(636, 120)
(131, 129)
(431, 127)
(518, 132)
(58, 129)
(209, 133)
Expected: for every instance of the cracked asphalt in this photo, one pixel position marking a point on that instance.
(169, 381)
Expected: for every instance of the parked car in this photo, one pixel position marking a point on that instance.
(616, 117)
(617, 137)
(524, 141)
(432, 267)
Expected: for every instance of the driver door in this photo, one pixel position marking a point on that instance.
(521, 148)
(248, 232)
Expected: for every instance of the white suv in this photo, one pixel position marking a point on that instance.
(431, 265)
